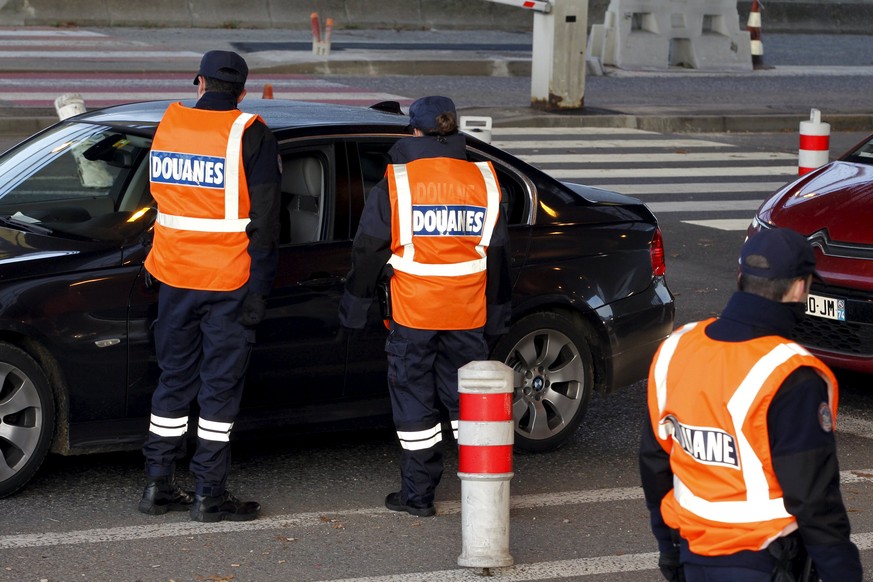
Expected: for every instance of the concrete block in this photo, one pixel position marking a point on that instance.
(698, 34)
(163, 13)
(66, 12)
(227, 13)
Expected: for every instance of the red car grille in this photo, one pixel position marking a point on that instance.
(835, 336)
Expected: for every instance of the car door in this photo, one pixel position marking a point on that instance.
(299, 357)
(368, 158)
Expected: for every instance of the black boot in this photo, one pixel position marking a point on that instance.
(163, 495)
(225, 506)
(394, 502)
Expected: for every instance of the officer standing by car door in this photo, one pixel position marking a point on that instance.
(435, 220)
(738, 458)
(215, 175)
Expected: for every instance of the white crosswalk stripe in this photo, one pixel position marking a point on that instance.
(99, 89)
(705, 182)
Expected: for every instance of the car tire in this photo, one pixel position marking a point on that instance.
(550, 354)
(27, 418)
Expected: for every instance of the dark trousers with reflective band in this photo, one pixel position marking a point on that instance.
(423, 372)
(203, 352)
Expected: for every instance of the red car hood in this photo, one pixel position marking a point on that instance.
(837, 197)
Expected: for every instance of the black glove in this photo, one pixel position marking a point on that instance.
(670, 566)
(253, 308)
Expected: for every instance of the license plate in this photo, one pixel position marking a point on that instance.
(826, 307)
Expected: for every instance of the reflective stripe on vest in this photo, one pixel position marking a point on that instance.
(716, 435)
(407, 263)
(231, 221)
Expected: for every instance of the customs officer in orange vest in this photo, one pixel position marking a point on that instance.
(435, 224)
(215, 176)
(738, 458)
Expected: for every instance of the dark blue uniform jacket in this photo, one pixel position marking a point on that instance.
(804, 454)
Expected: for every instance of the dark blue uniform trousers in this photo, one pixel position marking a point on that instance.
(203, 352)
(422, 371)
(698, 573)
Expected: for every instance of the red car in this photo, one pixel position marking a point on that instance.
(833, 207)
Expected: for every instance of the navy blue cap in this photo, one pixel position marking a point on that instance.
(777, 253)
(424, 112)
(224, 66)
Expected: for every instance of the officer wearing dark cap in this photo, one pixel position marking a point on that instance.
(738, 458)
(215, 175)
(434, 225)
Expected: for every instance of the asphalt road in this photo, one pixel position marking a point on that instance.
(577, 512)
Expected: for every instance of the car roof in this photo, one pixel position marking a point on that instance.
(278, 114)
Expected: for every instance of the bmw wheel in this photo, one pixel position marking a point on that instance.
(27, 418)
(554, 378)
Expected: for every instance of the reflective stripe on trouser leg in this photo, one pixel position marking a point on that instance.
(411, 354)
(165, 445)
(214, 431)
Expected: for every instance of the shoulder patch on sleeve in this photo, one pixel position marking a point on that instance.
(825, 419)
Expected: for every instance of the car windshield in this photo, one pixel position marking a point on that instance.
(862, 154)
(78, 180)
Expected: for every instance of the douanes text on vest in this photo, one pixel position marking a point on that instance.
(711, 446)
(187, 169)
(447, 220)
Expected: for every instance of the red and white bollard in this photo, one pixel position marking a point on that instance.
(486, 433)
(757, 42)
(815, 137)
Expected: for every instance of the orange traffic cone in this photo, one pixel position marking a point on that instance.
(757, 43)
(268, 91)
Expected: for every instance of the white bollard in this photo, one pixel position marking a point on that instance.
(91, 174)
(69, 104)
(814, 143)
(486, 433)
(477, 126)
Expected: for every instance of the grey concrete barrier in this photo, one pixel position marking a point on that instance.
(831, 16)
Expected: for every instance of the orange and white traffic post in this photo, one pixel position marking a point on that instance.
(486, 433)
(757, 41)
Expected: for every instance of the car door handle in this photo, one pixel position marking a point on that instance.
(322, 280)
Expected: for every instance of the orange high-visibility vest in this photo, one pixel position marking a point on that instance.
(443, 213)
(708, 404)
(198, 180)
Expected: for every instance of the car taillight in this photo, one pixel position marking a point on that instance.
(656, 251)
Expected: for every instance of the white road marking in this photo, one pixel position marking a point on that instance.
(568, 131)
(670, 158)
(103, 55)
(729, 224)
(556, 570)
(705, 206)
(188, 528)
(728, 171)
(692, 188)
(570, 144)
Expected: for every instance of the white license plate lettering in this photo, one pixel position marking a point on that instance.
(826, 307)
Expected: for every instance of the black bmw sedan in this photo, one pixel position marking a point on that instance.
(77, 364)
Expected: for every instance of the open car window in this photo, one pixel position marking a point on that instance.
(515, 189)
(79, 180)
